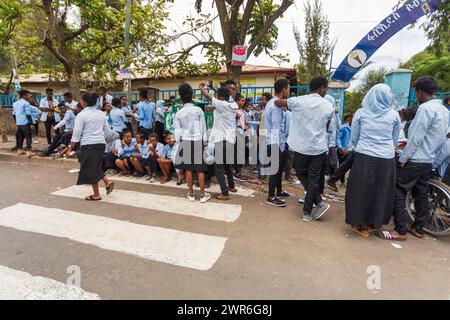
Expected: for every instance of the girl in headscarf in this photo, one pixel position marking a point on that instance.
(371, 187)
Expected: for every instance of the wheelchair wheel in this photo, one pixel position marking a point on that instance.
(438, 220)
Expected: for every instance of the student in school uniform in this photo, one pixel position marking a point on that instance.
(145, 113)
(24, 122)
(89, 131)
(50, 113)
(125, 149)
(159, 120)
(223, 135)
(143, 163)
(68, 122)
(35, 115)
(128, 113)
(191, 136)
(103, 97)
(109, 158)
(118, 117)
(155, 150)
(311, 116)
(166, 161)
(69, 102)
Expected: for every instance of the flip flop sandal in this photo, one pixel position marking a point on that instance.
(415, 233)
(360, 232)
(387, 235)
(91, 198)
(110, 188)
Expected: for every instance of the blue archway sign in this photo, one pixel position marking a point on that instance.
(396, 21)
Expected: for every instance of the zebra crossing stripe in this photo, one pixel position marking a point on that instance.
(180, 248)
(215, 188)
(211, 210)
(19, 285)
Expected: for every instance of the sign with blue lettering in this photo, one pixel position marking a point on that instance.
(396, 21)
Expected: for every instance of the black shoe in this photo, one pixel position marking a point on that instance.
(138, 174)
(284, 194)
(14, 149)
(276, 202)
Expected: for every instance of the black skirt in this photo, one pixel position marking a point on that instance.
(190, 156)
(370, 192)
(91, 160)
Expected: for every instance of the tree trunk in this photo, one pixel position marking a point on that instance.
(4, 127)
(72, 82)
(8, 86)
(234, 73)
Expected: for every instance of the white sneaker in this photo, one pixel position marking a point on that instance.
(153, 179)
(205, 197)
(191, 197)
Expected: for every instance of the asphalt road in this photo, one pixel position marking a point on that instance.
(148, 242)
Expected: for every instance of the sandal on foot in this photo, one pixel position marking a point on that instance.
(390, 236)
(362, 233)
(221, 197)
(416, 233)
(110, 188)
(91, 198)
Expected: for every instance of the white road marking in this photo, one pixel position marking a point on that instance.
(180, 248)
(215, 188)
(211, 210)
(19, 285)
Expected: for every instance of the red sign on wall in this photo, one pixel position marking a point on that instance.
(239, 56)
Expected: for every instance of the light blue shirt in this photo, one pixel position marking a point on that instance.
(118, 119)
(22, 109)
(68, 121)
(308, 129)
(35, 113)
(427, 132)
(91, 126)
(273, 117)
(127, 110)
(160, 111)
(127, 150)
(376, 137)
(169, 152)
(442, 159)
(146, 114)
(332, 133)
(376, 127)
(144, 150)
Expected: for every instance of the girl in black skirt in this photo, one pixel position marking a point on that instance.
(370, 195)
(91, 125)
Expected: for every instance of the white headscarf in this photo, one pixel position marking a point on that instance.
(377, 101)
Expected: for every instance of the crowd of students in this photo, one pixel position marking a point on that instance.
(387, 152)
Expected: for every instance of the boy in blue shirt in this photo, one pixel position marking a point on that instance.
(23, 118)
(166, 161)
(125, 149)
(146, 113)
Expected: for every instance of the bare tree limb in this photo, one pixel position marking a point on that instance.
(268, 24)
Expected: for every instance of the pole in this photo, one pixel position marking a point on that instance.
(127, 81)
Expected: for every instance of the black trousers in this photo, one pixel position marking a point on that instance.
(414, 176)
(48, 128)
(23, 133)
(145, 132)
(59, 139)
(36, 128)
(342, 158)
(275, 180)
(222, 167)
(310, 171)
(332, 161)
(344, 167)
(159, 130)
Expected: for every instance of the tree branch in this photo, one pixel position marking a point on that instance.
(94, 59)
(269, 23)
(75, 34)
(245, 22)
